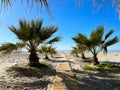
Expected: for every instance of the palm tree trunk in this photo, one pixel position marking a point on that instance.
(95, 59)
(46, 56)
(52, 56)
(77, 55)
(83, 56)
(33, 58)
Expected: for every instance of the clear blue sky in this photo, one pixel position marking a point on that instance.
(69, 17)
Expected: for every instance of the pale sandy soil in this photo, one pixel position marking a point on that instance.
(15, 75)
(25, 78)
(96, 80)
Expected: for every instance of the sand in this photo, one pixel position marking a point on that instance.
(20, 78)
(96, 80)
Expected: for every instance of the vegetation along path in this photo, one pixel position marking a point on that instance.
(65, 78)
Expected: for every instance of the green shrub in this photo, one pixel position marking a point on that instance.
(92, 68)
(103, 66)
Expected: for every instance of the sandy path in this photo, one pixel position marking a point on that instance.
(65, 79)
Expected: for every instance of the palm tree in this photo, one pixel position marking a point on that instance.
(79, 40)
(76, 51)
(44, 50)
(47, 47)
(52, 51)
(31, 36)
(96, 43)
(47, 50)
(82, 49)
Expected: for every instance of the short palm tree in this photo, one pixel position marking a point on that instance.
(75, 51)
(31, 36)
(47, 50)
(47, 47)
(79, 40)
(96, 43)
(44, 50)
(52, 51)
(82, 49)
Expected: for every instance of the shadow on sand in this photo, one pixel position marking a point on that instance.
(58, 61)
(17, 71)
(57, 57)
(29, 78)
(68, 81)
(86, 60)
(102, 80)
(108, 62)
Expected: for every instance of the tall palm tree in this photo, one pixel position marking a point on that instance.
(31, 36)
(96, 42)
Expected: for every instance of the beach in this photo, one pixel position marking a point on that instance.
(15, 76)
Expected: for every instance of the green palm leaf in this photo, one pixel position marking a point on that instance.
(80, 38)
(111, 42)
(5, 3)
(96, 35)
(108, 34)
(10, 47)
(47, 32)
(56, 39)
(41, 3)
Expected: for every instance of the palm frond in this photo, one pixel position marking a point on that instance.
(15, 31)
(20, 45)
(96, 35)
(44, 49)
(41, 3)
(111, 42)
(8, 48)
(56, 39)
(52, 50)
(80, 38)
(47, 32)
(75, 51)
(108, 34)
(38, 24)
(5, 3)
(46, 4)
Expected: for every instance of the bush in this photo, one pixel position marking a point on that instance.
(103, 66)
(92, 68)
